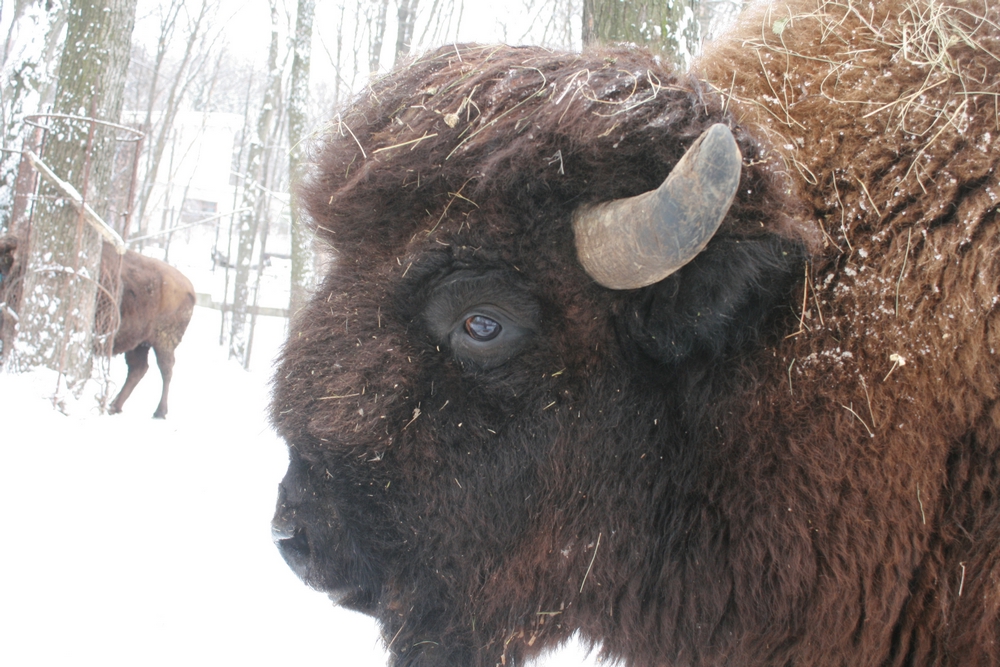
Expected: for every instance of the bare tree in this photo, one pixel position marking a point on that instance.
(168, 15)
(551, 23)
(376, 13)
(298, 109)
(441, 23)
(187, 71)
(30, 61)
(340, 83)
(60, 287)
(406, 20)
(717, 15)
(670, 26)
(348, 46)
(254, 201)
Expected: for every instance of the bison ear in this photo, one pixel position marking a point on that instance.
(718, 305)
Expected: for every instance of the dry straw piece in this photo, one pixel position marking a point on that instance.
(908, 68)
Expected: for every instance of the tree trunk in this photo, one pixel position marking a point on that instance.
(376, 27)
(336, 61)
(168, 22)
(302, 277)
(64, 255)
(253, 200)
(178, 87)
(668, 26)
(407, 15)
(28, 83)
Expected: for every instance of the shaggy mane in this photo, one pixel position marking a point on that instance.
(490, 123)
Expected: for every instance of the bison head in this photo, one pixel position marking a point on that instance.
(497, 403)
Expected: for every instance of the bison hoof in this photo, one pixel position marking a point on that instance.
(160, 415)
(114, 410)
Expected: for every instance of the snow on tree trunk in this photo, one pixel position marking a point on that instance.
(670, 26)
(64, 255)
(302, 275)
(30, 59)
(254, 201)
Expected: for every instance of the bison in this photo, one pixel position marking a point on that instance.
(156, 304)
(700, 366)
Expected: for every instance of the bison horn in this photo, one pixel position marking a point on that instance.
(634, 242)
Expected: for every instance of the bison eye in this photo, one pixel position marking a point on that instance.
(482, 318)
(482, 328)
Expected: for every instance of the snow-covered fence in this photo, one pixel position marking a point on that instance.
(206, 300)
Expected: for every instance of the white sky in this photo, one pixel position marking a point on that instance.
(248, 24)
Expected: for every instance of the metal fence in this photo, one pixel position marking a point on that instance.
(110, 213)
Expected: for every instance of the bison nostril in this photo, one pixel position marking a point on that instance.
(282, 531)
(294, 547)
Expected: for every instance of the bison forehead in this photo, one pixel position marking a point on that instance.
(460, 133)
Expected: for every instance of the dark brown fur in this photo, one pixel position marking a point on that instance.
(786, 454)
(156, 304)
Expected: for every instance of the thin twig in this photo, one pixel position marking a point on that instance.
(868, 398)
(592, 558)
(843, 214)
(867, 194)
(344, 126)
(389, 645)
(897, 361)
(405, 143)
(540, 91)
(859, 419)
(812, 287)
(416, 413)
(454, 196)
(805, 300)
(336, 398)
(923, 517)
(899, 280)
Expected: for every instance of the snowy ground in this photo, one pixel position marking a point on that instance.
(134, 541)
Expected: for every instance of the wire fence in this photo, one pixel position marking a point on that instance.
(102, 200)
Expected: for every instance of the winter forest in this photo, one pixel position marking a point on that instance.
(217, 100)
(176, 129)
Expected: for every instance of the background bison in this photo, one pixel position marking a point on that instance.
(784, 452)
(155, 307)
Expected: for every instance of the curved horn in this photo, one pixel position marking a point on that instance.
(634, 242)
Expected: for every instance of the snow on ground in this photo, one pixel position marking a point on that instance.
(133, 541)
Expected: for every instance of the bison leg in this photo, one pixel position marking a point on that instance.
(165, 360)
(138, 363)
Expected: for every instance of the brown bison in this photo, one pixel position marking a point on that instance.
(699, 366)
(155, 307)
